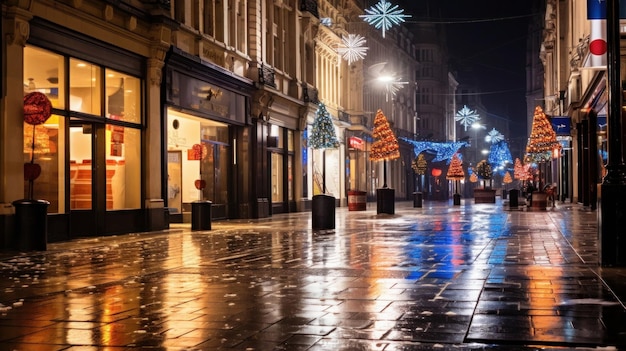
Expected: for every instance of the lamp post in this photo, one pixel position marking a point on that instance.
(476, 127)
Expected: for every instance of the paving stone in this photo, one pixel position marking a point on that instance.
(470, 277)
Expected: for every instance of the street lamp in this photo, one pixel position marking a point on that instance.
(476, 127)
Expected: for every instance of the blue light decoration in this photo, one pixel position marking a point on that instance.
(384, 15)
(500, 155)
(442, 151)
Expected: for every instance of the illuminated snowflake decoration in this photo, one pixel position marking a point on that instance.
(466, 117)
(494, 136)
(393, 84)
(384, 15)
(326, 21)
(353, 48)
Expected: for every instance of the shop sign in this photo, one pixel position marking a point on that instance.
(561, 124)
(356, 143)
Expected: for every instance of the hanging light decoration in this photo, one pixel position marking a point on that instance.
(353, 48)
(384, 15)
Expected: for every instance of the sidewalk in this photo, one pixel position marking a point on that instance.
(469, 277)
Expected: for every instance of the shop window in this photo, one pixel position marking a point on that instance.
(123, 167)
(277, 177)
(43, 71)
(123, 98)
(85, 87)
(49, 185)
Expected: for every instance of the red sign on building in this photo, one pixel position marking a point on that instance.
(356, 143)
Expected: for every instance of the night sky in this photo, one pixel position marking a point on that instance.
(487, 47)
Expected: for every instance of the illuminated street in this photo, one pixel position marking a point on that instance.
(468, 277)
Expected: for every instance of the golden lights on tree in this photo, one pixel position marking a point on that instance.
(473, 177)
(419, 165)
(542, 141)
(385, 145)
(455, 170)
(521, 171)
(507, 179)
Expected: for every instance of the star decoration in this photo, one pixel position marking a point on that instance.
(494, 136)
(466, 117)
(393, 85)
(353, 48)
(384, 15)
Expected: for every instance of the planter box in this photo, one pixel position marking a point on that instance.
(484, 196)
(539, 200)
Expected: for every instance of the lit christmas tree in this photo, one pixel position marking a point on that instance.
(323, 131)
(455, 171)
(323, 136)
(483, 169)
(420, 165)
(507, 178)
(385, 146)
(542, 140)
(500, 155)
(473, 178)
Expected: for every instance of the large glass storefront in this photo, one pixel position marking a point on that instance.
(198, 159)
(281, 146)
(89, 150)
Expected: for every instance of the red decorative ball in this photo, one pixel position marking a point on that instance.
(37, 108)
(32, 171)
(200, 184)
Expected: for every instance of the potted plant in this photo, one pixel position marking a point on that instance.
(31, 214)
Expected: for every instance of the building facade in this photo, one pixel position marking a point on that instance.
(157, 106)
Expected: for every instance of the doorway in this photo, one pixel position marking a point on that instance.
(85, 210)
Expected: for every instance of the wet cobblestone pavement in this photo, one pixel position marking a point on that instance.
(469, 277)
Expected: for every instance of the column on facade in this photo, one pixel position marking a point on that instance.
(11, 130)
(154, 182)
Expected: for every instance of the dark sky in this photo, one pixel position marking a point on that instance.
(487, 46)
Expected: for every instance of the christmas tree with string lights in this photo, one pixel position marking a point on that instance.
(385, 145)
(323, 134)
(419, 165)
(456, 173)
(455, 170)
(483, 169)
(542, 140)
(507, 179)
(473, 178)
(323, 137)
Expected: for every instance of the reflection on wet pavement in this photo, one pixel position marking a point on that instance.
(472, 277)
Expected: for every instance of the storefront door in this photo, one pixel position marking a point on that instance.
(86, 213)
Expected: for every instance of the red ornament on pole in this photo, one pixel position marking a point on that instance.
(37, 108)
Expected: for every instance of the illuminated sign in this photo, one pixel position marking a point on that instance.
(356, 143)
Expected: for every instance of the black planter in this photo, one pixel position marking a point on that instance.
(457, 199)
(417, 199)
(323, 212)
(513, 197)
(31, 225)
(201, 215)
(385, 200)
